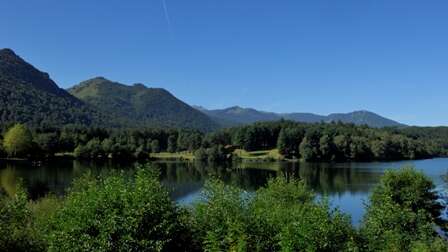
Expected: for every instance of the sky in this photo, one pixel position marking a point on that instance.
(320, 56)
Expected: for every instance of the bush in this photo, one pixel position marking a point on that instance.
(403, 211)
(281, 217)
(222, 218)
(17, 229)
(288, 218)
(116, 214)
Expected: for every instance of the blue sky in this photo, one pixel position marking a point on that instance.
(390, 57)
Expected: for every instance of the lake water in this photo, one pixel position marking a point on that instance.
(347, 185)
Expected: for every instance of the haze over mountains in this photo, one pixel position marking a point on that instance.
(28, 95)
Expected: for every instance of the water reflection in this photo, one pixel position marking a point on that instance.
(346, 184)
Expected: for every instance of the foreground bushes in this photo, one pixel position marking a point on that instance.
(18, 231)
(115, 214)
(403, 213)
(119, 212)
(281, 217)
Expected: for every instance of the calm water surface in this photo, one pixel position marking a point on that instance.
(346, 184)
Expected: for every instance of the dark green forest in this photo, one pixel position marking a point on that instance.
(295, 141)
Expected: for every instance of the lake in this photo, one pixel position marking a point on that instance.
(347, 185)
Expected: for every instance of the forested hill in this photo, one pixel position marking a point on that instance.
(29, 96)
(139, 105)
(237, 116)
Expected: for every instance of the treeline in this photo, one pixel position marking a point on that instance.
(115, 213)
(96, 143)
(309, 142)
(332, 142)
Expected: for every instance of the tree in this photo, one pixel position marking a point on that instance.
(359, 149)
(18, 141)
(402, 213)
(155, 146)
(342, 144)
(113, 213)
(172, 144)
(18, 231)
(327, 148)
(308, 150)
(107, 145)
(2, 150)
(47, 142)
(288, 141)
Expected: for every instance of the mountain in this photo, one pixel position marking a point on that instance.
(364, 118)
(236, 116)
(29, 96)
(138, 105)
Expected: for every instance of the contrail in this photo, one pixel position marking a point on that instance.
(167, 15)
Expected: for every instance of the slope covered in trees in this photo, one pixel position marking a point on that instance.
(237, 116)
(140, 106)
(29, 96)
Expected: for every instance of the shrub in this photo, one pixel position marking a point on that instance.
(222, 218)
(288, 218)
(115, 214)
(403, 211)
(17, 229)
(281, 217)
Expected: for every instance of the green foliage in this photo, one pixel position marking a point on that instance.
(222, 219)
(281, 217)
(286, 217)
(17, 228)
(333, 142)
(18, 141)
(212, 155)
(132, 211)
(172, 144)
(155, 146)
(289, 140)
(2, 150)
(403, 212)
(116, 214)
(47, 143)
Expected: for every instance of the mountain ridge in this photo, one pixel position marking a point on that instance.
(237, 115)
(140, 105)
(28, 95)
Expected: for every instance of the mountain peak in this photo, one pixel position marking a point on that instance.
(31, 97)
(7, 52)
(139, 86)
(16, 69)
(237, 115)
(140, 105)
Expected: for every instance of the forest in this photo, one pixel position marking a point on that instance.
(327, 142)
(133, 212)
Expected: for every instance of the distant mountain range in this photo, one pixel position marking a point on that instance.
(28, 95)
(237, 116)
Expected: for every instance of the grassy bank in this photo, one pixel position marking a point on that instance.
(265, 155)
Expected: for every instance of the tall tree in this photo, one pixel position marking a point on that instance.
(18, 141)
(172, 144)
